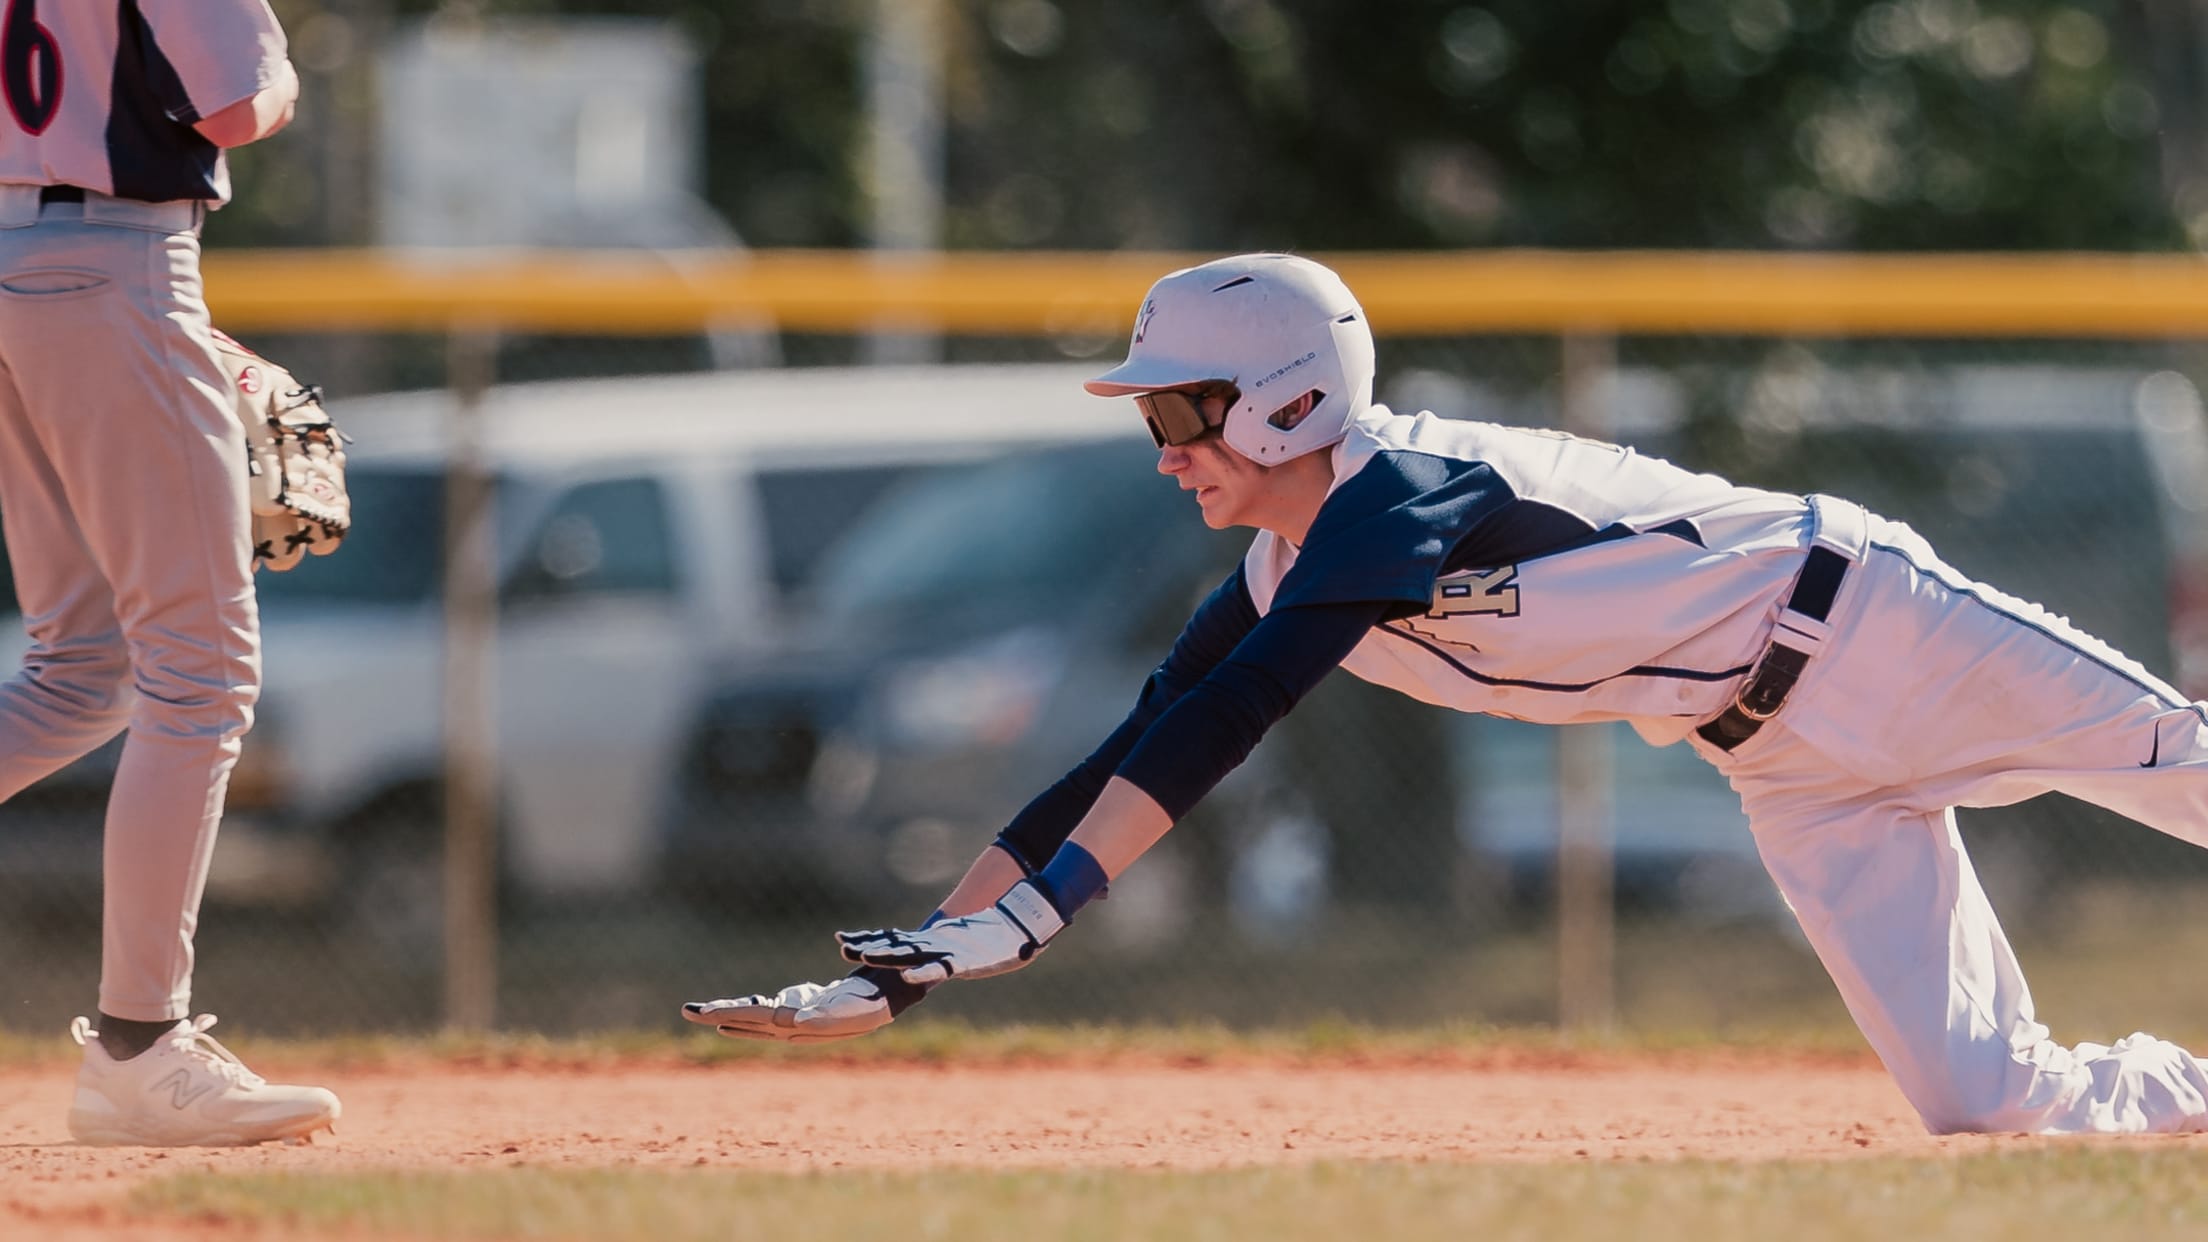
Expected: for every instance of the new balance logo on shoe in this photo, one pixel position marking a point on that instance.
(182, 1089)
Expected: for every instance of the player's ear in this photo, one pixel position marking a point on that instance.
(1287, 417)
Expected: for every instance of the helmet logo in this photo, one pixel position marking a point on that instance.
(1142, 324)
(1279, 371)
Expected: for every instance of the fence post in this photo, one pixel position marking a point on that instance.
(905, 49)
(470, 654)
(1585, 863)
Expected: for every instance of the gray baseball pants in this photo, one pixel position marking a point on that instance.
(122, 493)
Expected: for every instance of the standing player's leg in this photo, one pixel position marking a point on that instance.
(119, 381)
(72, 691)
(145, 444)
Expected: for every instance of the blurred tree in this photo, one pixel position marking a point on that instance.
(1331, 124)
(1894, 124)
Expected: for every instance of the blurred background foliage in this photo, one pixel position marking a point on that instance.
(1338, 124)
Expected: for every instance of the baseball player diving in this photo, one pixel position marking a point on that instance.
(1852, 686)
(134, 520)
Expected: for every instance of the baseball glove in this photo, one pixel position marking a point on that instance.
(295, 460)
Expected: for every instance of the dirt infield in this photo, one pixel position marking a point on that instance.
(1126, 1114)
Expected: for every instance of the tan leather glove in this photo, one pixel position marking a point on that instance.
(295, 460)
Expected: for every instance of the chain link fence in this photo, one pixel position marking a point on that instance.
(751, 686)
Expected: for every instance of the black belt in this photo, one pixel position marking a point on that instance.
(1781, 666)
(60, 194)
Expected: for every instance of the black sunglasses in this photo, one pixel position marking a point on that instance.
(1176, 416)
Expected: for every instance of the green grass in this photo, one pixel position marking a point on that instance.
(945, 1041)
(2124, 1190)
(1403, 994)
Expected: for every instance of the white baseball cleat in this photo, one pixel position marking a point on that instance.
(186, 1091)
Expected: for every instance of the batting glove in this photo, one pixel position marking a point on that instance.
(995, 941)
(801, 1013)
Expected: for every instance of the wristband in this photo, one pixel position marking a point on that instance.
(1026, 906)
(1071, 880)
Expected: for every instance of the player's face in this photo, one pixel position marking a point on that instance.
(1228, 486)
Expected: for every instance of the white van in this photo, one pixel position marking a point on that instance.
(647, 528)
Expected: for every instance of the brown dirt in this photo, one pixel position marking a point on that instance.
(1126, 1114)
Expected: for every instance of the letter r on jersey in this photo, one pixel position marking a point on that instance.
(1477, 592)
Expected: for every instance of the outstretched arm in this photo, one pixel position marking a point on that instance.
(1191, 746)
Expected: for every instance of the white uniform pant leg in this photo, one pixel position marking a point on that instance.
(105, 334)
(1940, 692)
(1958, 694)
(1888, 899)
(72, 691)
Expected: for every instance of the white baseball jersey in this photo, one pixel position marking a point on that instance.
(1569, 580)
(102, 94)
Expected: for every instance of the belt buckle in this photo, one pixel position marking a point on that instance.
(1771, 683)
(1741, 705)
(1745, 701)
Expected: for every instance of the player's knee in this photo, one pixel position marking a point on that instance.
(217, 714)
(213, 703)
(89, 681)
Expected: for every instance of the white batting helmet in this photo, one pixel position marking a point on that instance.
(1275, 327)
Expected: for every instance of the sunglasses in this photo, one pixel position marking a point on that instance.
(1175, 416)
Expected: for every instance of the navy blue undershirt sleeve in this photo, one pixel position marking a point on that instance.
(1218, 625)
(1210, 730)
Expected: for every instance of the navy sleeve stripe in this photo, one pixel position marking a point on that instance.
(1527, 530)
(1681, 528)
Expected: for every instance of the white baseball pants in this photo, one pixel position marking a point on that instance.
(1932, 692)
(122, 493)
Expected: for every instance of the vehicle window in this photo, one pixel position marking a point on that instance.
(393, 555)
(610, 537)
(1022, 533)
(806, 510)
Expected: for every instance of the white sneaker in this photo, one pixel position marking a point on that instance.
(186, 1091)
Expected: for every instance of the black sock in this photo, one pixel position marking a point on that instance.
(124, 1039)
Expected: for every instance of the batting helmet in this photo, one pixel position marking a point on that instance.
(1274, 327)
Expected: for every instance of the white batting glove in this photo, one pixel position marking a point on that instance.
(801, 1013)
(995, 941)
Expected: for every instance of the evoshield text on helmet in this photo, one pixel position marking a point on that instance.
(1272, 327)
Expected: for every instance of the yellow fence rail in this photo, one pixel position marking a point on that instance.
(621, 292)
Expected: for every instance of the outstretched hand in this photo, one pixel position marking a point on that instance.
(800, 1013)
(995, 941)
